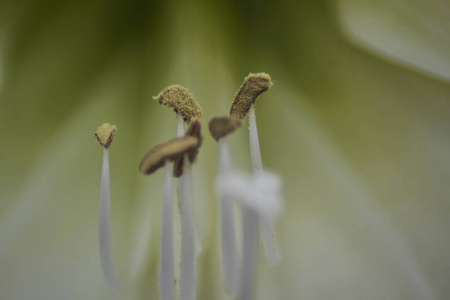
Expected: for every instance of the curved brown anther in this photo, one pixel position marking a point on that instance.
(171, 150)
(222, 126)
(253, 86)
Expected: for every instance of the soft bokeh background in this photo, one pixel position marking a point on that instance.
(357, 124)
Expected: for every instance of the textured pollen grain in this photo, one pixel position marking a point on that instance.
(194, 130)
(181, 101)
(105, 134)
(253, 86)
(171, 150)
(222, 126)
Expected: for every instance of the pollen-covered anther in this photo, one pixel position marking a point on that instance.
(222, 126)
(105, 134)
(171, 150)
(254, 84)
(181, 101)
(194, 130)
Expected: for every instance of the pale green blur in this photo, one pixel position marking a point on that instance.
(357, 124)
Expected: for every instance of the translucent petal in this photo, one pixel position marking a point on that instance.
(413, 33)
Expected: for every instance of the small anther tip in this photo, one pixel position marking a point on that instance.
(105, 134)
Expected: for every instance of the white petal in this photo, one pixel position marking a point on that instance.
(416, 33)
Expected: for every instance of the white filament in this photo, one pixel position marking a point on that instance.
(180, 126)
(180, 133)
(227, 224)
(267, 229)
(188, 240)
(260, 194)
(166, 267)
(104, 228)
(249, 254)
(255, 151)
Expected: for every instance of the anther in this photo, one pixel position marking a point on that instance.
(253, 86)
(171, 150)
(105, 134)
(221, 126)
(181, 101)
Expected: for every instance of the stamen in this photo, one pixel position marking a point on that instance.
(249, 255)
(105, 135)
(188, 237)
(267, 228)
(171, 150)
(260, 195)
(166, 269)
(182, 102)
(188, 110)
(221, 126)
(253, 86)
(229, 251)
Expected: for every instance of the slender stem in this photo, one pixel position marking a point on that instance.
(188, 254)
(269, 239)
(227, 228)
(267, 228)
(166, 268)
(180, 133)
(180, 126)
(254, 141)
(104, 228)
(249, 245)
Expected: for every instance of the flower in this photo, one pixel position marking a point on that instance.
(360, 139)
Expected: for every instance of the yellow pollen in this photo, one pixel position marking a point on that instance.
(105, 134)
(181, 101)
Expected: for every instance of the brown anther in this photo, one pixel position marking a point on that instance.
(181, 101)
(222, 126)
(253, 86)
(105, 134)
(171, 150)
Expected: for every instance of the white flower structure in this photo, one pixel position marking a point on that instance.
(259, 193)
(357, 127)
(261, 199)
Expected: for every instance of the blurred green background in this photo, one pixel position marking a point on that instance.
(357, 124)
